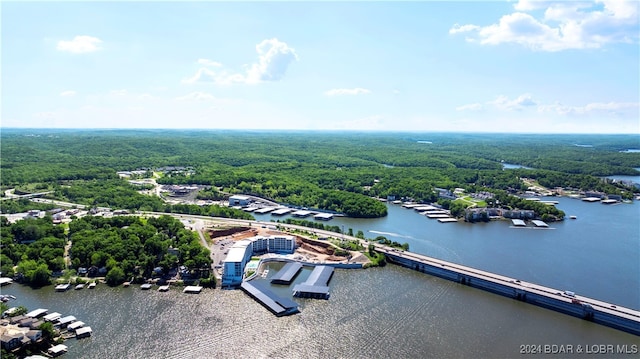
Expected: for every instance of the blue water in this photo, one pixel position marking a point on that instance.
(596, 255)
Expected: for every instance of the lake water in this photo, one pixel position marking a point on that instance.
(386, 312)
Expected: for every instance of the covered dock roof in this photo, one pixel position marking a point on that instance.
(277, 305)
(323, 216)
(287, 273)
(518, 223)
(281, 211)
(321, 275)
(316, 286)
(37, 313)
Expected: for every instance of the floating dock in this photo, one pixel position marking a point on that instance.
(52, 317)
(317, 285)
(264, 210)
(323, 216)
(301, 214)
(276, 305)
(83, 332)
(438, 215)
(62, 287)
(75, 325)
(37, 313)
(447, 220)
(192, 289)
(540, 224)
(287, 273)
(56, 350)
(66, 321)
(281, 211)
(518, 223)
(593, 310)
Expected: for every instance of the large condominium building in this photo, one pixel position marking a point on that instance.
(240, 254)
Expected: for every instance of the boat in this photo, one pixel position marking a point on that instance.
(79, 286)
(573, 217)
(146, 286)
(92, 285)
(5, 281)
(126, 284)
(163, 288)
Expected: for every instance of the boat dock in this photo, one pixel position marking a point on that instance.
(264, 210)
(540, 224)
(317, 285)
(518, 223)
(301, 214)
(281, 211)
(62, 287)
(52, 317)
(192, 289)
(323, 216)
(287, 273)
(593, 310)
(447, 220)
(37, 313)
(276, 305)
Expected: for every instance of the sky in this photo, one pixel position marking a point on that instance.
(500, 66)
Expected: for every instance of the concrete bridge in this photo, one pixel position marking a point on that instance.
(608, 314)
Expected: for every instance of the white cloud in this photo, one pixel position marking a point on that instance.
(563, 26)
(353, 91)
(505, 104)
(594, 108)
(470, 107)
(122, 92)
(80, 44)
(207, 62)
(68, 93)
(196, 96)
(45, 115)
(274, 58)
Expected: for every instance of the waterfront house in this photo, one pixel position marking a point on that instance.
(11, 341)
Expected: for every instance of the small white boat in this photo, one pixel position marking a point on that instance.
(573, 217)
(92, 285)
(79, 286)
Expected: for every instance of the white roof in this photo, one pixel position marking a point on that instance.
(236, 254)
(240, 197)
(36, 313)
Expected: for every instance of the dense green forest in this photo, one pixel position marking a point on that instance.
(125, 246)
(341, 172)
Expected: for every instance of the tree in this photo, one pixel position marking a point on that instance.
(115, 276)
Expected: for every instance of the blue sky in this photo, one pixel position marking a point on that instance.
(501, 66)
